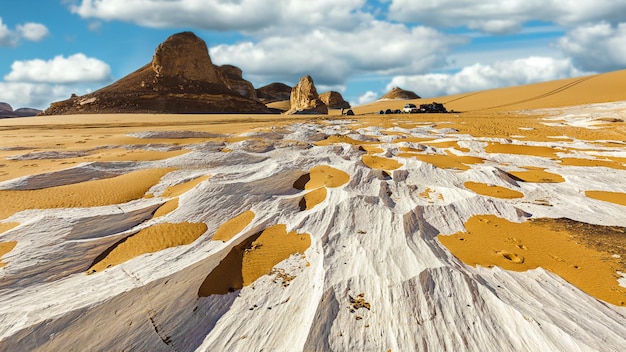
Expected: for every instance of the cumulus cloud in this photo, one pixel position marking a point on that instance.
(33, 95)
(33, 31)
(596, 47)
(495, 75)
(28, 31)
(498, 17)
(366, 97)
(241, 15)
(77, 68)
(332, 56)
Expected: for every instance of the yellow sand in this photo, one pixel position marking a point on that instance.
(521, 149)
(380, 163)
(492, 190)
(273, 246)
(116, 190)
(313, 198)
(537, 175)
(324, 175)
(166, 208)
(449, 144)
(6, 226)
(448, 161)
(492, 241)
(6, 247)
(342, 139)
(612, 197)
(593, 162)
(177, 190)
(230, 228)
(372, 149)
(253, 258)
(150, 240)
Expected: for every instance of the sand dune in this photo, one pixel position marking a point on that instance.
(502, 225)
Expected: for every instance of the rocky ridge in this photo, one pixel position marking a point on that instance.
(181, 78)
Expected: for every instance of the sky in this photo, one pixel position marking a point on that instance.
(51, 49)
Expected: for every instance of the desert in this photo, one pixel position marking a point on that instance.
(132, 219)
(185, 232)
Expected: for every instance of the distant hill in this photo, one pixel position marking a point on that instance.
(6, 111)
(181, 78)
(398, 93)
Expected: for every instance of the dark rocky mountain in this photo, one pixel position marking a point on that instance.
(181, 78)
(274, 92)
(6, 111)
(398, 93)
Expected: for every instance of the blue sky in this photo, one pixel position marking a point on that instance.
(53, 48)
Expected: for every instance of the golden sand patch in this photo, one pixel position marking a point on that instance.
(492, 241)
(318, 178)
(6, 247)
(253, 258)
(447, 161)
(612, 197)
(449, 144)
(380, 163)
(115, 190)
(372, 149)
(166, 208)
(613, 164)
(149, 240)
(492, 190)
(313, 198)
(324, 175)
(342, 139)
(521, 149)
(177, 190)
(230, 228)
(6, 226)
(537, 175)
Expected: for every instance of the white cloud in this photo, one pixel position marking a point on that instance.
(7, 38)
(367, 97)
(497, 16)
(240, 15)
(29, 31)
(495, 75)
(332, 56)
(596, 47)
(77, 68)
(34, 95)
(33, 31)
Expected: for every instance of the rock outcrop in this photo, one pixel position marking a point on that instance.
(398, 93)
(304, 98)
(6, 111)
(274, 92)
(233, 76)
(181, 78)
(334, 100)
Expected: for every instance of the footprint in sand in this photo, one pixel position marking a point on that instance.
(512, 257)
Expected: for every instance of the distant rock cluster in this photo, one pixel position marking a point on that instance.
(6, 111)
(181, 78)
